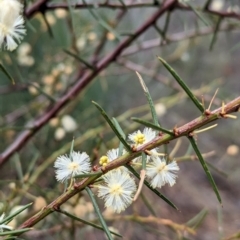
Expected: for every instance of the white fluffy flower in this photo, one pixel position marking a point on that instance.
(161, 173)
(112, 155)
(67, 167)
(3, 226)
(11, 24)
(117, 190)
(139, 138)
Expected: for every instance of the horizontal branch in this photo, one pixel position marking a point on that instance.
(184, 130)
(142, 4)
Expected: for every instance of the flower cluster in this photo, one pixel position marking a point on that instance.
(11, 24)
(117, 187)
(157, 169)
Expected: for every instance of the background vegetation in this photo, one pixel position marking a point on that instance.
(78, 51)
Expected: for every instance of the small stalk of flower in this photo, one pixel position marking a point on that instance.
(117, 189)
(68, 167)
(160, 173)
(11, 24)
(140, 185)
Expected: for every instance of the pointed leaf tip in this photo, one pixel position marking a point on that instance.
(182, 84)
(149, 99)
(205, 168)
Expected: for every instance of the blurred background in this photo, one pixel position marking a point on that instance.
(65, 42)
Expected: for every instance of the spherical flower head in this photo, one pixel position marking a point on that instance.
(103, 161)
(111, 156)
(11, 24)
(117, 190)
(161, 173)
(139, 138)
(66, 167)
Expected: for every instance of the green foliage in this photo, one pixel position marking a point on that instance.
(74, 53)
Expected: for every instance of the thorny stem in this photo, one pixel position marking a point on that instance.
(42, 6)
(184, 130)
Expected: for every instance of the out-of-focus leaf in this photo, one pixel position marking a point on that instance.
(18, 231)
(201, 17)
(85, 222)
(97, 210)
(11, 216)
(79, 59)
(214, 38)
(197, 220)
(7, 74)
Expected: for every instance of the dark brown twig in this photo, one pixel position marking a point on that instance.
(38, 6)
(141, 5)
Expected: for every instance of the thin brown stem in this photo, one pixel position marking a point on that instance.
(231, 107)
